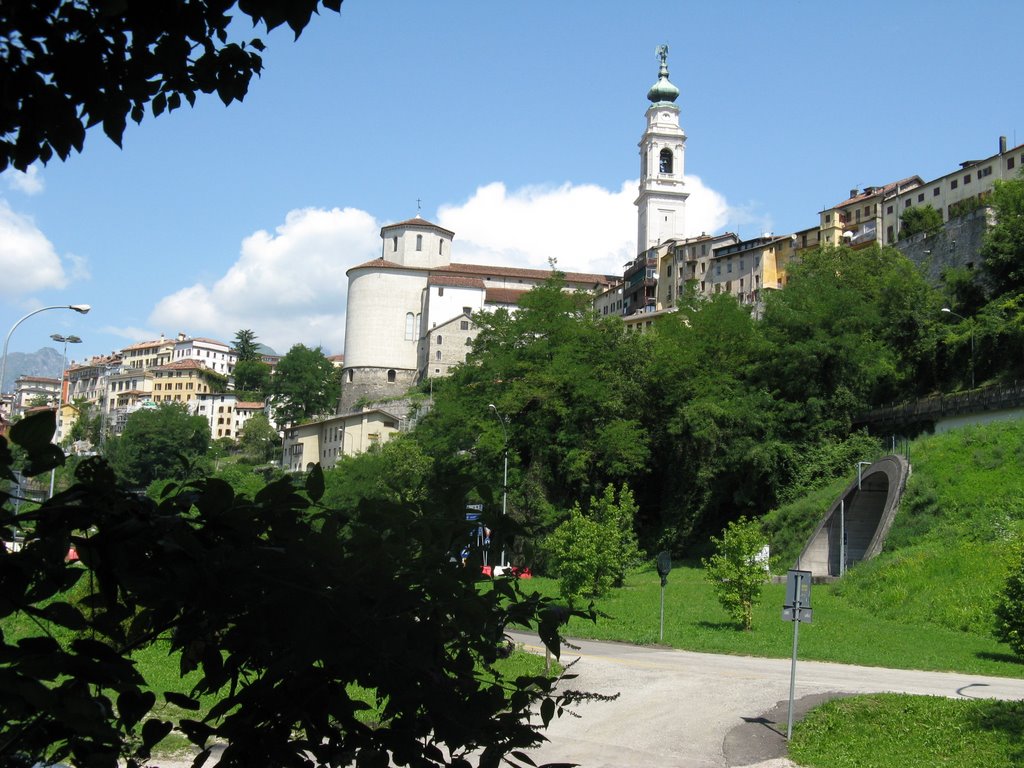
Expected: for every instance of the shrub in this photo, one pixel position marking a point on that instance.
(591, 552)
(735, 570)
(1009, 611)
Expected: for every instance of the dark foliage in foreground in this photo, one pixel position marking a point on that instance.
(279, 604)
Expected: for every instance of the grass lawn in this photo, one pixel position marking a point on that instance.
(842, 631)
(883, 730)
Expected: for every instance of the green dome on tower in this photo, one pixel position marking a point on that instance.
(663, 90)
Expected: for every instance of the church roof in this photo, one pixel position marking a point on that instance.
(455, 281)
(483, 271)
(416, 221)
(534, 274)
(503, 296)
(384, 263)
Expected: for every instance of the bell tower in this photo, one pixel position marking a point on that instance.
(662, 200)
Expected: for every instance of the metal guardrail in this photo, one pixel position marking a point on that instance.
(993, 398)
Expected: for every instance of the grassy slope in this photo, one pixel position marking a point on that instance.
(924, 603)
(946, 557)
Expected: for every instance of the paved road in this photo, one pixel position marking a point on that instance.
(678, 709)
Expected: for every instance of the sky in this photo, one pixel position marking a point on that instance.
(513, 124)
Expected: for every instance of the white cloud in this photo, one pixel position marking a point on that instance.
(288, 286)
(29, 182)
(585, 227)
(28, 261)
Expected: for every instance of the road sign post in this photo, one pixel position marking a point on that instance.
(796, 609)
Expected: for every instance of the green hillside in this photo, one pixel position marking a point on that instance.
(945, 557)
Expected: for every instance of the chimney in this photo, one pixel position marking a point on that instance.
(181, 336)
(854, 192)
(1002, 145)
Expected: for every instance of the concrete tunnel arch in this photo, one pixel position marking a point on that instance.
(869, 512)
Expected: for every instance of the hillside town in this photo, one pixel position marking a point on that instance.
(410, 311)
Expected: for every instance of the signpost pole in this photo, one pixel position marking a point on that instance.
(796, 609)
(792, 670)
(661, 633)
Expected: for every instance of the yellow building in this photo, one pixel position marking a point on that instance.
(147, 354)
(326, 440)
(179, 382)
(858, 220)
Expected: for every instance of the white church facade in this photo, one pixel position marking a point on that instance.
(409, 315)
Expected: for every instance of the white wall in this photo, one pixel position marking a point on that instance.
(375, 319)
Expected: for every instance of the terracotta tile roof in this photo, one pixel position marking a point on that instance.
(382, 263)
(483, 271)
(416, 221)
(503, 296)
(916, 181)
(144, 344)
(455, 281)
(534, 274)
(249, 406)
(209, 341)
(39, 379)
(181, 365)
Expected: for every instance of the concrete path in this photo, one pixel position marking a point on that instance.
(678, 709)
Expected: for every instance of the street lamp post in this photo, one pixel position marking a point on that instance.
(65, 340)
(970, 323)
(80, 308)
(504, 483)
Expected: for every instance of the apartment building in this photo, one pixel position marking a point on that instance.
(956, 192)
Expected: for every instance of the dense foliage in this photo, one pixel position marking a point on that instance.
(164, 442)
(277, 603)
(305, 384)
(259, 441)
(711, 416)
(69, 65)
(920, 218)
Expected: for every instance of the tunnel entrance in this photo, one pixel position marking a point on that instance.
(865, 512)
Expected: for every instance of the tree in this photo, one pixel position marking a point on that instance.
(161, 443)
(592, 551)
(276, 606)
(395, 472)
(259, 440)
(70, 65)
(736, 571)
(246, 347)
(1009, 610)
(569, 383)
(922, 218)
(1002, 250)
(305, 384)
(717, 446)
(251, 376)
(89, 424)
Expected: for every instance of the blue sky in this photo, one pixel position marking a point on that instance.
(516, 124)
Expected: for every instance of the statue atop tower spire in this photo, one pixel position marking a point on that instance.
(663, 90)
